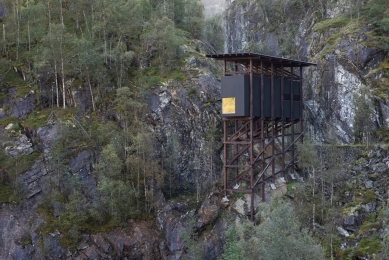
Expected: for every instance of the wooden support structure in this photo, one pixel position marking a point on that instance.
(262, 120)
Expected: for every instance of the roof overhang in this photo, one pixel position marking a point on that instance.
(258, 58)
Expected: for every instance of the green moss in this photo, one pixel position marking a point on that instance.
(6, 121)
(77, 83)
(149, 77)
(344, 254)
(192, 92)
(382, 134)
(13, 79)
(6, 191)
(328, 49)
(327, 24)
(361, 161)
(62, 224)
(290, 185)
(176, 74)
(3, 92)
(350, 210)
(369, 226)
(37, 119)
(365, 196)
(19, 164)
(369, 246)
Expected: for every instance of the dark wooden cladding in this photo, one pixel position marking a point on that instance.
(262, 98)
(275, 105)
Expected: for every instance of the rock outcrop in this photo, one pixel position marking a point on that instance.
(346, 62)
(185, 117)
(364, 211)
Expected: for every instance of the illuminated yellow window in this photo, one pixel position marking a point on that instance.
(228, 105)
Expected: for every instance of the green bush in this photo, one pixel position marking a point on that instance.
(369, 246)
(278, 236)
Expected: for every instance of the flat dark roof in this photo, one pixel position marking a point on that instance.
(246, 57)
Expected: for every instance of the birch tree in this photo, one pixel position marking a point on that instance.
(309, 161)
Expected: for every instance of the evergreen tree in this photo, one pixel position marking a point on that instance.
(363, 123)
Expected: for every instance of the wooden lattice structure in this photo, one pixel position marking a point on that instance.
(262, 119)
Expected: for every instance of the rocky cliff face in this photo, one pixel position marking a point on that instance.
(347, 60)
(363, 217)
(184, 117)
(333, 87)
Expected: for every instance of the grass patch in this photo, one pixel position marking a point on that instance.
(327, 24)
(6, 191)
(365, 196)
(369, 226)
(13, 79)
(37, 119)
(71, 231)
(382, 134)
(19, 164)
(149, 77)
(3, 92)
(290, 185)
(369, 246)
(6, 121)
(328, 49)
(176, 74)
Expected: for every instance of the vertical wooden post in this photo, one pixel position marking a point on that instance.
(262, 130)
(225, 141)
(225, 155)
(301, 105)
(252, 139)
(283, 122)
(292, 120)
(273, 123)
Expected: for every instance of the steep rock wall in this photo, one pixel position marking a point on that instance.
(185, 117)
(213, 7)
(346, 61)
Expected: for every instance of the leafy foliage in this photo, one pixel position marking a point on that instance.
(377, 12)
(362, 120)
(278, 236)
(214, 33)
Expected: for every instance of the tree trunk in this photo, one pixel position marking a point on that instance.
(86, 25)
(322, 200)
(4, 43)
(17, 21)
(332, 250)
(29, 35)
(56, 81)
(91, 94)
(313, 199)
(60, 9)
(63, 81)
